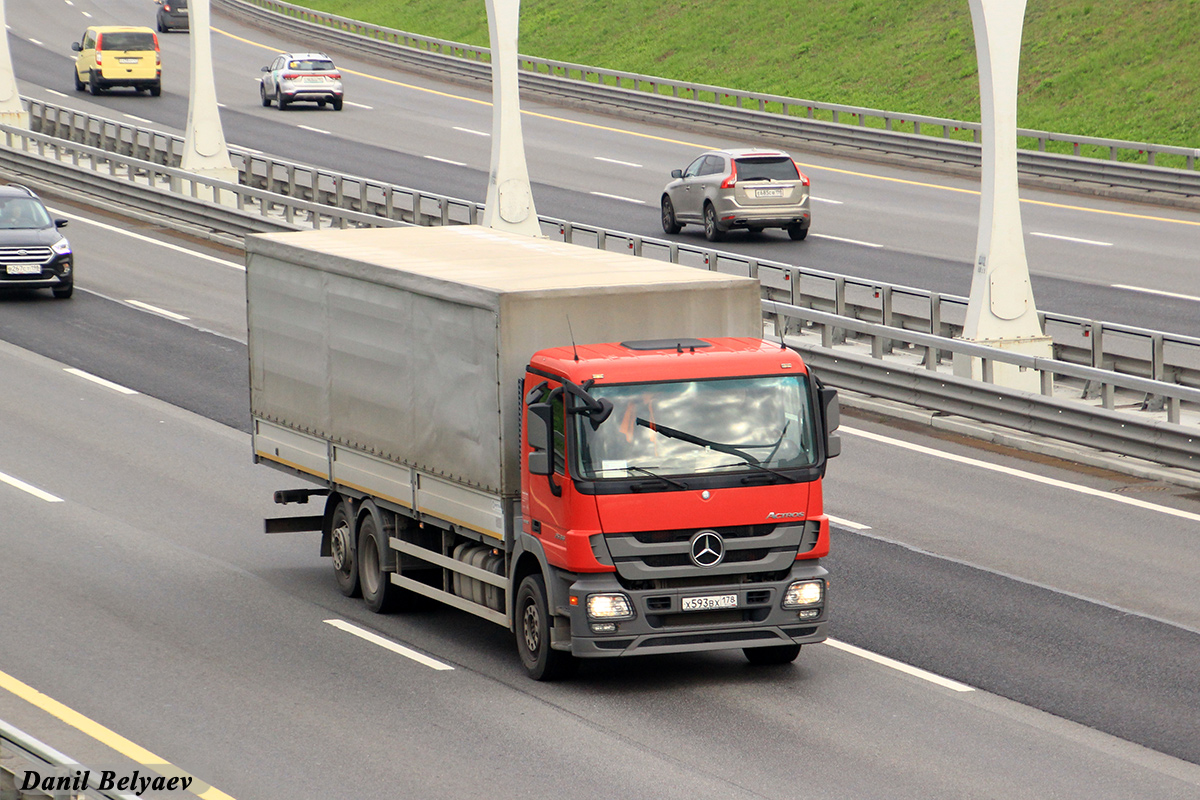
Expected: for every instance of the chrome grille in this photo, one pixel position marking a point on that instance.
(665, 555)
(25, 255)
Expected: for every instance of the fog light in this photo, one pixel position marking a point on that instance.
(609, 606)
(809, 613)
(803, 593)
(604, 627)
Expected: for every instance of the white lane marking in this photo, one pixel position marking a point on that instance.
(139, 119)
(468, 130)
(615, 161)
(147, 239)
(840, 239)
(1070, 239)
(116, 387)
(157, 310)
(388, 644)
(845, 523)
(826, 200)
(314, 130)
(55, 92)
(17, 483)
(35, 41)
(358, 105)
(1176, 295)
(446, 161)
(618, 197)
(1029, 476)
(900, 666)
(86, 14)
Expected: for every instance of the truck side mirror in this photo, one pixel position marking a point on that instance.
(831, 411)
(541, 421)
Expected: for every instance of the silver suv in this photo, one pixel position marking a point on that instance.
(740, 188)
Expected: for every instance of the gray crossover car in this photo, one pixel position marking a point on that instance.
(741, 188)
(33, 254)
(301, 77)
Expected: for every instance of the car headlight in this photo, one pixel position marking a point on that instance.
(62, 247)
(804, 593)
(609, 606)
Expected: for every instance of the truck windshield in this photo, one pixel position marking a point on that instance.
(690, 427)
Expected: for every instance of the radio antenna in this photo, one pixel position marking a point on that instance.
(572, 332)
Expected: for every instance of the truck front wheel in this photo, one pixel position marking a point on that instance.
(533, 634)
(341, 546)
(775, 654)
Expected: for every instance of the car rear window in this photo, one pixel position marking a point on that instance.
(126, 40)
(761, 168)
(311, 65)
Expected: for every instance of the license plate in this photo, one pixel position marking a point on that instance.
(129, 60)
(768, 192)
(24, 269)
(314, 79)
(709, 602)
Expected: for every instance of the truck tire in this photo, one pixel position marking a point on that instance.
(533, 634)
(774, 654)
(345, 559)
(378, 592)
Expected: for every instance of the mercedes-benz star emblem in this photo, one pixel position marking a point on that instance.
(708, 548)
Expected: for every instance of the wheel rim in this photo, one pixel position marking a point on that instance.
(710, 220)
(532, 628)
(340, 547)
(668, 214)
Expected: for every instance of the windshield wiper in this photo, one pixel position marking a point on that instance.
(720, 447)
(656, 476)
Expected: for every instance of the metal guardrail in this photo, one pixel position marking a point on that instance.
(1167, 168)
(916, 378)
(20, 752)
(1120, 348)
(1116, 357)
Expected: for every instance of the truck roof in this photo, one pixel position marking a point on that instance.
(665, 359)
(472, 257)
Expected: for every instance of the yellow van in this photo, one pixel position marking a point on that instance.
(111, 55)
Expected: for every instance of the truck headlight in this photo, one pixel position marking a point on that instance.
(609, 606)
(61, 247)
(804, 593)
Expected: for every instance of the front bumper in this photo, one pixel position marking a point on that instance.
(59, 272)
(660, 626)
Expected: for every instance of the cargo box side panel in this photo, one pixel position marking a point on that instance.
(534, 321)
(414, 380)
(286, 309)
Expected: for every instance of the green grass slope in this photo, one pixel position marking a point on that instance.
(1126, 70)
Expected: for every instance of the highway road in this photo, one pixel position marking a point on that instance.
(1120, 262)
(137, 590)
(148, 600)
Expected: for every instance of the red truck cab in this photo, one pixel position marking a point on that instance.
(671, 492)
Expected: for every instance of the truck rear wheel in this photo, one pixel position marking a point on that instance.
(532, 628)
(775, 654)
(341, 546)
(378, 592)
